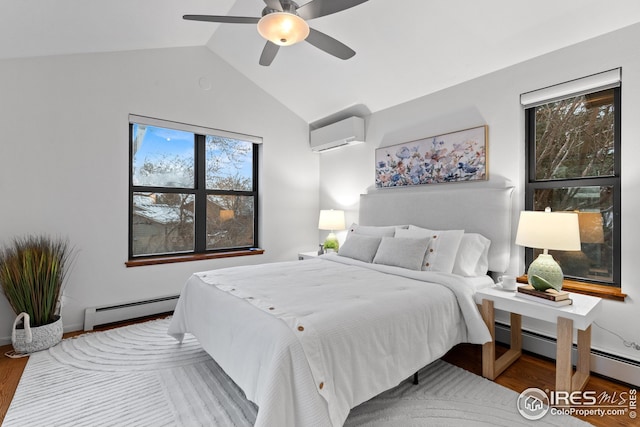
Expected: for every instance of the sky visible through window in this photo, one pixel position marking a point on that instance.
(164, 157)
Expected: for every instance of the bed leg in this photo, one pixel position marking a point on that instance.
(416, 381)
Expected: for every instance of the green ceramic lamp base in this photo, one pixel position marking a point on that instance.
(547, 268)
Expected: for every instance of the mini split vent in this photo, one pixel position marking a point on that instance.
(345, 132)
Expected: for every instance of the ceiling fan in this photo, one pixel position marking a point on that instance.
(283, 23)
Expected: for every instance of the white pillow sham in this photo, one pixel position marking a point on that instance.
(402, 252)
(360, 247)
(443, 248)
(370, 230)
(473, 255)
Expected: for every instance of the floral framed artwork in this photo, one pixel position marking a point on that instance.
(453, 157)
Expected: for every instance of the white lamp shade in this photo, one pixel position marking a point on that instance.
(331, 220)
(549, 230)
(283, 28)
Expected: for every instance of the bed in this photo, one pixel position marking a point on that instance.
(308, 340)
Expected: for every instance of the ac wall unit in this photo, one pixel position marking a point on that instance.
(345, 132)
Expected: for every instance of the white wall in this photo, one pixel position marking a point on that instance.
(64, 162)
(494, 100)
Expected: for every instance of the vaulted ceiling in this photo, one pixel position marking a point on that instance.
(405, 49)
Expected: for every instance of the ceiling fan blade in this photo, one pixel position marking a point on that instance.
(268, 53)
(223, 19)
(274, 4)
(329, 44)
(318, 8)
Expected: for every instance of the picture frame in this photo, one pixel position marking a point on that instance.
(459, 156)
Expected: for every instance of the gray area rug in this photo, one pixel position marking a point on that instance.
(138, 376)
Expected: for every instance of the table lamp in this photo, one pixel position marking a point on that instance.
(331, 220)
(548, 230)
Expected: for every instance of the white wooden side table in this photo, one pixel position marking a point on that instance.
(580, 315)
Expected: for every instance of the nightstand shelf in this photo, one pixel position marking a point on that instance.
(580, 315)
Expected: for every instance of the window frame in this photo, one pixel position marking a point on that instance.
(199, 192)
(614, 181)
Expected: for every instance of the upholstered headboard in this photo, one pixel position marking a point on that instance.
(479, 210)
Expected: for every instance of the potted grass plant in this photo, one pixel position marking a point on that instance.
(32, 274)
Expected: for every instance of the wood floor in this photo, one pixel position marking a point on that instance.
(532, 371)
(528, 371)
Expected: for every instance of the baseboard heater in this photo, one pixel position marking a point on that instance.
(618, 368)
(95, 316)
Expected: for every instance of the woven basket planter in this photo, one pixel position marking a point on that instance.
(31, 339)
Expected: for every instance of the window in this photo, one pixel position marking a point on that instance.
(192, 190)
(573, 164)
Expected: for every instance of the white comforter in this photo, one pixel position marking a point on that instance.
(328, 335)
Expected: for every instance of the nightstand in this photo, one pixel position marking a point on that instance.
(307, 255)
(580, 315)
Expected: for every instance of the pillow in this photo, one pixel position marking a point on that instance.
(360, 247)
(473, 255)
(402, 252)
(443, 249)
(370, 230)
(407, 234)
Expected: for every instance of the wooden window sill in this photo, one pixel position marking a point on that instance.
(191, 257)
(602, 291)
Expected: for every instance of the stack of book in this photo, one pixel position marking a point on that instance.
(550, 296)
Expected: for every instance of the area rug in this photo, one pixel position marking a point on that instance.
(139, 376)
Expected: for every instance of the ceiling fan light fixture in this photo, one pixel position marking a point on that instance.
(283, 28)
